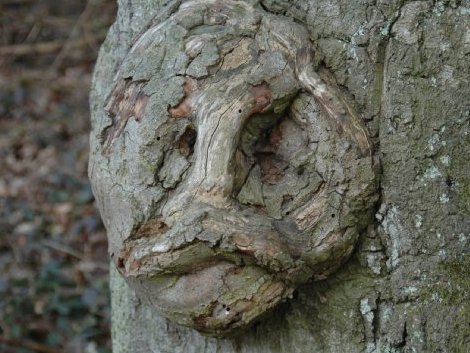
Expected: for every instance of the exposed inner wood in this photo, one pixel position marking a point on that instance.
(127, 101)
(259, 153)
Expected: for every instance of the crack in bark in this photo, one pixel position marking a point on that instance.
(201, 233)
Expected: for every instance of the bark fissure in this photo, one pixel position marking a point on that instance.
(281, 196)
(287, 246)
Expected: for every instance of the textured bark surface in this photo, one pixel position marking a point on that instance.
(404, 65)
(263, 172)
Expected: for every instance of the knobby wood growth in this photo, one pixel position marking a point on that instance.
(253, 170)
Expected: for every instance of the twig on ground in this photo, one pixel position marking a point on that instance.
(73, 33)
(39, 48)
(62, 248)
(31, 345)
(16, 2)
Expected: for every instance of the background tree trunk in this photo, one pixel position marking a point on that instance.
(406, 287)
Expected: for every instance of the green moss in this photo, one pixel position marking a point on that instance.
(464, 194)
(461, 338)
(452, 293)
(454, 288)
(459, 278)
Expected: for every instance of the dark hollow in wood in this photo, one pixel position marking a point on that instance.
(259, 172)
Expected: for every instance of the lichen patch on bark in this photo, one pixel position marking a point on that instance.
(248, 159)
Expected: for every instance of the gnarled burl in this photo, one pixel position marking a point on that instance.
(232, 168)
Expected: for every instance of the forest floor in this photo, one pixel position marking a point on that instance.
(54, 294)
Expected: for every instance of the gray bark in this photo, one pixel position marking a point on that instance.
(404, 68)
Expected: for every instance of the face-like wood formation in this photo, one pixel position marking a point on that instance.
(251, 173)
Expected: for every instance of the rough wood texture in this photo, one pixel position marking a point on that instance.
(272, 189)
(403, 64)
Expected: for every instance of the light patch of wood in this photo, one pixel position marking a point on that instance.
(249, 126)
(185, 108)
(127, 101)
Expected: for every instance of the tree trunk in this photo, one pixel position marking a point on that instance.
(403, 66)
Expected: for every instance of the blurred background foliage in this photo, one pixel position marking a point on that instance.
(53, 250)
